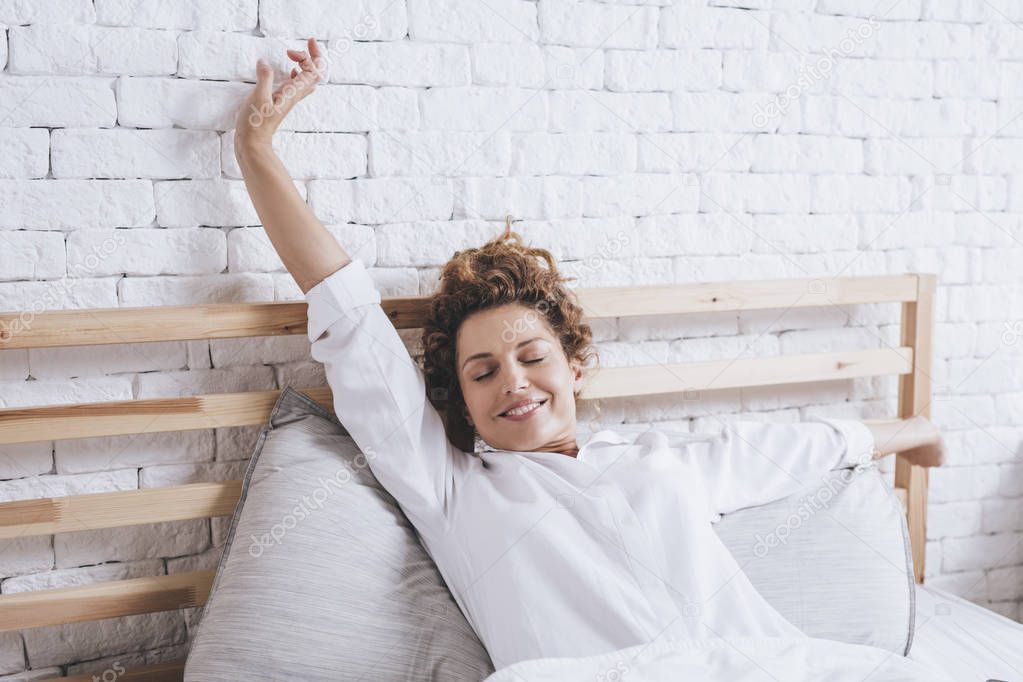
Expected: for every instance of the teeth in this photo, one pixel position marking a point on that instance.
(523, 409)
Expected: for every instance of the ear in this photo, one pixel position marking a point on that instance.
(468, 417)
(578, 372)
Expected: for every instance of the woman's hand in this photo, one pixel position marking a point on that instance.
(263, 111)
(932, 452)
(917, 439)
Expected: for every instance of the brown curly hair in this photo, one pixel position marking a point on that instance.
(504, 270)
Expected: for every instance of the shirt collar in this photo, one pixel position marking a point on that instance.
(584, 436)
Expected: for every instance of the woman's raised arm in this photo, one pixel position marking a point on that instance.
(304, 245)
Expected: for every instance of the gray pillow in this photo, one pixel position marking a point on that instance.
(323, 578)
(833, 559)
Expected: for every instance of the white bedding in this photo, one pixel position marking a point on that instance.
(965, 640)
(955, 641)
(733, 659)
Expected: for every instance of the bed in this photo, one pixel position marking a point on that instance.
(910, 361)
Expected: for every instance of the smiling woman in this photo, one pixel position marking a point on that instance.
(504, 335)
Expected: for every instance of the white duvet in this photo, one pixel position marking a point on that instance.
(736, 659)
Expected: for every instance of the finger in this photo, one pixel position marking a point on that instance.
(264, 80)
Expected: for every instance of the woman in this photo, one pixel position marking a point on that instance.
(550, 546)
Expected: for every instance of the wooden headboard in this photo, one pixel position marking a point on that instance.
(911, 361)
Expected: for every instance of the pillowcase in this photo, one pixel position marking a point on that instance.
(833, 559)
(323, 577)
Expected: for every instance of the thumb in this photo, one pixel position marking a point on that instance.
(264, 80)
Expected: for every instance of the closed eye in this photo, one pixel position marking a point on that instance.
(525, 362)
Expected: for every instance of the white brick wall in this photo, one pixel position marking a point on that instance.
(722, 140)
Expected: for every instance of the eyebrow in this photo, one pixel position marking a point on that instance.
(520, 344)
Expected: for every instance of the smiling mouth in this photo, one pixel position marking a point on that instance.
(533, 408)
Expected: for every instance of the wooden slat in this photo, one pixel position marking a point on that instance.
(104, 600)
(44, 516)
(122, 417)
(157, 672)
(745, 295)
(747, 372)
(915, 399)
(233, 320)
(92, 511)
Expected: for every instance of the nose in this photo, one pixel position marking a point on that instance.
(515, 379)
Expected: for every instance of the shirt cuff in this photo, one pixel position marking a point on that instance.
(859, 440)
(345, 289)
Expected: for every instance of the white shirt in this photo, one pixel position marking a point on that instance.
(552, 555)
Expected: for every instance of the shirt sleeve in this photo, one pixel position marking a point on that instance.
(752, 463)
(379, 392)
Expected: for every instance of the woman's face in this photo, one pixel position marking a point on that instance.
(507, 354)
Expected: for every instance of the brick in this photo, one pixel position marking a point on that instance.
(436, 153)
(32, 255)
(63, 486)
(483, 109)
(580, 110)
(955, 519)
(718, 27)
(189, 251)
(907, 9)
(638, 194)
(807, 153)
(42, 101)
(523, 197)
(362, 20)
(259, 350)
(737, 112)
(20, 460)
(78, 361)
(131, 543)
(464, 21)
(63, 644)
(191, 203)
(32, 297)
(537, 66)
(195, 290)
(580, 23)
(590, 153)
(663, 70)
(380, 200)
(982, 551)
(24, 152)
(232, 56)
(803, 234)
(43, 392)
(79, 50)
(428, 243)
(695, 152)
(75, 204)
(249, 248)
(126, 153)
(59, 11)
(755, 192)
(230, 15)
(184, 474)
(81, 455)
(74, 577)
(1001, 516)
(402, 62)
(848, 193)
(309, 155)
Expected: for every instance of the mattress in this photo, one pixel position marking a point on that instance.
(967, 641)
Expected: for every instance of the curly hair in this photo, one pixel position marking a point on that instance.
(504, 270)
